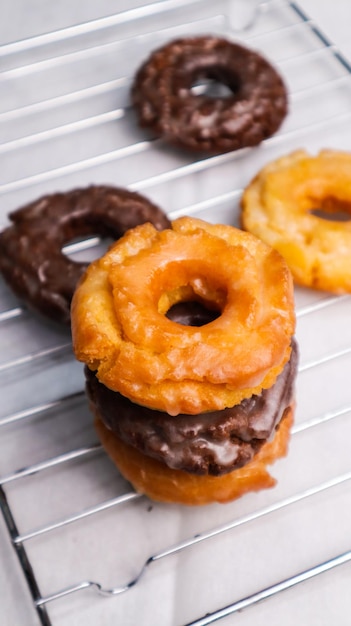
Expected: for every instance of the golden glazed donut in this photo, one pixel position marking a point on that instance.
(293, 204)
(120, 328)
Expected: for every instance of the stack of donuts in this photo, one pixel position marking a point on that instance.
(187, 335)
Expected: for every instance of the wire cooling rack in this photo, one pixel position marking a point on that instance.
(79, 532)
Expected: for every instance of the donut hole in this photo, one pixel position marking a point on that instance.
(194, 303)
(85, 249)
(192, 313)
(332, 210)
(198, 292)
(211, 88)
(335, 216)
(214, 82)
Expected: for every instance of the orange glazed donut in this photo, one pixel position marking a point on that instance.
(121, 331)
(293, 205)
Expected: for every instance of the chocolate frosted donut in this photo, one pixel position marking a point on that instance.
(166, 103)
(212, 443)
(31, 257)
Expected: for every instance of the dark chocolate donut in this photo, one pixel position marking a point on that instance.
(31, 257)
(166, 103)
(212, 443)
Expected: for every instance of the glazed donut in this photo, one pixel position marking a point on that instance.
(162, 483)
(164, 98)
(294, 204)
(31, 257)
(120, 328)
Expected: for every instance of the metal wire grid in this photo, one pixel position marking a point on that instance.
(58, 347)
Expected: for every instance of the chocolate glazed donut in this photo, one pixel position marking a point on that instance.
(31, 257)
(164, 97)
(212, 443)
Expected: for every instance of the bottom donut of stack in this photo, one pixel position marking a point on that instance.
(161, 483)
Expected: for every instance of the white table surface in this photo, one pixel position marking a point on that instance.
(24, 19)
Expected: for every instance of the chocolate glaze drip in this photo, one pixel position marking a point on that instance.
(31, 257)
(209, 443)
